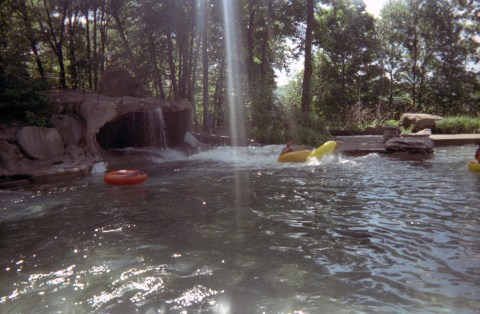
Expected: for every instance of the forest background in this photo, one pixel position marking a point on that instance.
(359, 70)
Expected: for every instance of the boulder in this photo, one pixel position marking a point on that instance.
(9, 156)
(415, 145)
(191, 140)
(40, 143)
(72, 130)
(390, 132)
(418, 121)
(117, 82)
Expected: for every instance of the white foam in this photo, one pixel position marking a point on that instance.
(240, 156)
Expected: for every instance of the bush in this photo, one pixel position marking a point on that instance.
(458, 124)
(22, 97)
(358, 117)
(311, 130)
(274, 133)
(312, 137)
(393, 123)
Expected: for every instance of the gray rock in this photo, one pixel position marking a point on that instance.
(413, 144)
(9, 155)
(40, 143)
(71, 129)
(117, 82)
(390, 132)
(418, 121)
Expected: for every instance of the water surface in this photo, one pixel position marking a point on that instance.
(236, 232)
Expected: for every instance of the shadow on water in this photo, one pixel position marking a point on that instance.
(3, 234)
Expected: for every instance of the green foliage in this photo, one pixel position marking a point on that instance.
(282, 124)
(430, 69)
(312, 137)
(272, 133)
(311, 130)
(391, 123)
(458, 124)
(35, 120)
(360, 117)
(406, 130)
(22, 98)
(416, 53)
(346, 61)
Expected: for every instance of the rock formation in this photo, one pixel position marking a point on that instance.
(117, 82)
(41, 143)
(418, 121)
(74, 142)
(410, 144)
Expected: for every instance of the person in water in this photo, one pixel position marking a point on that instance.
(288, 148)
(477, 153)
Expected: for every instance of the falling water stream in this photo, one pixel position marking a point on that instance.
(225, 232)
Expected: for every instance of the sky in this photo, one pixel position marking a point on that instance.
(372, 6)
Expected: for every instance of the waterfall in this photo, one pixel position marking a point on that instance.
(149, 129)
(134, 129)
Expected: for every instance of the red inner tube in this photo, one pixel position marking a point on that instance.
(125, 177)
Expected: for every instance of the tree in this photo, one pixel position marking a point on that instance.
(51, 19)
(390, 54)
(27, 31)
(116, 7)
(205, 63)
(417, 51)
(429, 35)
(346, 59)
(307, 71)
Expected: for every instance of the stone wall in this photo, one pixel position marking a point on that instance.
(70, 146)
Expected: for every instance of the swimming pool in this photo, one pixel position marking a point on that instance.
(233, 231)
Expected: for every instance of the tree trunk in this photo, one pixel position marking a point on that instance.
(38, 60)
(250, 40)
(183, 61)
(123, 36)
(192, 65)
(307, 74)
(218, 99)
(414, 74)
(171, 63)
(89, 50)
(193, 79)
(266, 40)
(157, 77)
(205, 65)
(103, 36)
(71, 48)
(21, 8)
(56, 40)
(390, 90)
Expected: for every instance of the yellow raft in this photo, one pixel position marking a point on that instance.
(302, 155)
(474, 165)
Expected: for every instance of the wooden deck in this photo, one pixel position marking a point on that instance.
(455, 139)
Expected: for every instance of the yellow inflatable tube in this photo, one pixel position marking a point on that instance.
(474, 165)
(302, 155)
